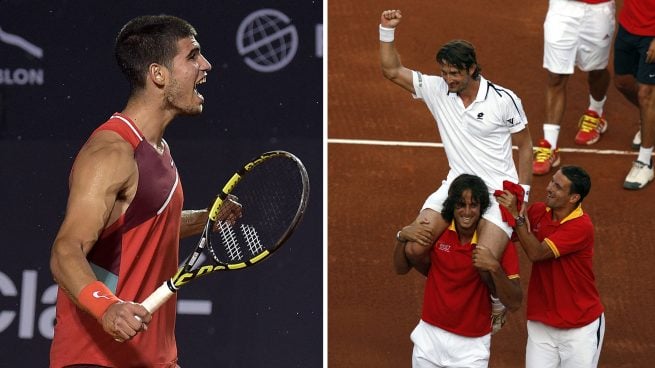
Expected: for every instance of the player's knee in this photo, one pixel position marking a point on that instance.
(624, 84)
(415, 252)
(646, 95)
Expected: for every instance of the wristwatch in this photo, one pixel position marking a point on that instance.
(520, 220)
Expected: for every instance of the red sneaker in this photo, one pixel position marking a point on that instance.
(590, 127)
(545, 158)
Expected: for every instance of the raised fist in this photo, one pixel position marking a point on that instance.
(390, 18)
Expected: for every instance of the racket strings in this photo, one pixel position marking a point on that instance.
(275, 190)
(230, 242)
(252, 239)
(272, 195)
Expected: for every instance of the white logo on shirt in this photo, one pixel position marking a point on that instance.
(444, 247)
(97, 295)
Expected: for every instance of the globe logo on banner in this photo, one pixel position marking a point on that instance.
(267, 40)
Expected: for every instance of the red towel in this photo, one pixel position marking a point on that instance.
(517, 190)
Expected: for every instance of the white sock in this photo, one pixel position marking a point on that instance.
(645, 154)
(597, 106)
(496, 304)
(551, 133)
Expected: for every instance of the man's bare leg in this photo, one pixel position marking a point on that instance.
(422, 234)
(494, 238)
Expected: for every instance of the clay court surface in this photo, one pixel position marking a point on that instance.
(374, 189)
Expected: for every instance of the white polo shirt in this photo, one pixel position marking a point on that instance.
(477, 139)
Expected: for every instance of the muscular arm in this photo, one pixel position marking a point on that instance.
(392, 68)
(523, 141)
(100, 174)
(401, 264)
(101, 179)
(420, 260)
(420, 235)
(193, 222)
(508, 290)
(534, 249)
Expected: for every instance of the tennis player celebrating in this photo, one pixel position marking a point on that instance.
(566, 323)
(120, 235)
(454, 329)
(478, 123)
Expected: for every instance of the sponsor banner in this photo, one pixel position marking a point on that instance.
(20, 72)
(267, 63)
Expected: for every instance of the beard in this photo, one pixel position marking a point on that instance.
(458, 87)
(182, 100)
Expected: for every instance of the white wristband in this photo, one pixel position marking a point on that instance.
(526, 190)
(399, 238)
(386, 34)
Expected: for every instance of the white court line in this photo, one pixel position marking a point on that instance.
(372, 142)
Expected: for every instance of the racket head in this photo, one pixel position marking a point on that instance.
(273, 191)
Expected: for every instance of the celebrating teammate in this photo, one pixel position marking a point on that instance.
(566, 323)
(456, 308)
(634, 66)
(120, 235)
(478, 122)
(575, 33)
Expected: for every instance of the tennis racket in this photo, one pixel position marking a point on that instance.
(273, 190)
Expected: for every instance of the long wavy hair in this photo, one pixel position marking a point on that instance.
(464, 182)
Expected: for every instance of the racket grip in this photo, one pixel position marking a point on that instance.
(157, 298)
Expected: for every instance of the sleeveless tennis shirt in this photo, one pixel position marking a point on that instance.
(133, 256)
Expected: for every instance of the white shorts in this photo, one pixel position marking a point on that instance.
(577, 33)
(493, 215)
(435, 347)
(550, 347)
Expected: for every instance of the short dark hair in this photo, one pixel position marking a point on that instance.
(580, 180)
(149, 39)
(464, 182)
(460, 54)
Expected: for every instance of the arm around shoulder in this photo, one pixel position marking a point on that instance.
(407, 256)
(401, 264)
